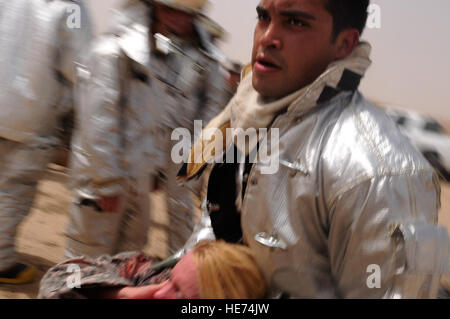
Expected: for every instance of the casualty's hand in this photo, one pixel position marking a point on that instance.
(128, 292)
(109, 203)
(143, 292)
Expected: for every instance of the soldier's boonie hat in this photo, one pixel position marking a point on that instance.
(189, 6)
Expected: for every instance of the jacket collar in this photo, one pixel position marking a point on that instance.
(342, 75)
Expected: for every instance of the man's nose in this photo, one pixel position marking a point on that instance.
(271, 37)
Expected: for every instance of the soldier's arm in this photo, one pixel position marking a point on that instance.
(73, 42)
(100, 123)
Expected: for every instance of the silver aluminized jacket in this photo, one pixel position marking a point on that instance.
(40, 44)
(352, 197)
(134, 103)
(352, 210)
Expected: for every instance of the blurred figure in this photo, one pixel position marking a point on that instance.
(233, 76)
(204, 96)
(40, 44)
(154, 72)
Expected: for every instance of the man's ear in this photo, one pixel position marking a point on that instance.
(346, 42)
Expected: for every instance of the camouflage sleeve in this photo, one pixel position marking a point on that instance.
(71, 278)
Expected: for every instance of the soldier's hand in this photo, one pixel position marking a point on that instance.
(109, 203)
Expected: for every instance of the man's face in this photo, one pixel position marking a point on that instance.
(292, 45)
(172, 21)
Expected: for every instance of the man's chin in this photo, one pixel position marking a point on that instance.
(268, 89)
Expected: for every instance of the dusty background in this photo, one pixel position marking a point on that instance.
(41, 236)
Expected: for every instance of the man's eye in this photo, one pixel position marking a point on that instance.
(296, 22)
(263, 17)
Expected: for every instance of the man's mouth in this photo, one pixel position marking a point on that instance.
(266, 65)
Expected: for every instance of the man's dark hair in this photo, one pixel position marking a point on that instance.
(347, 14)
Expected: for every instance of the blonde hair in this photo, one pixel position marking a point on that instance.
(227, 271)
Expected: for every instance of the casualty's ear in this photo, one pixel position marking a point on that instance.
(346, 42)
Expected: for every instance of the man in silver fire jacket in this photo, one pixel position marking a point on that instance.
(152, 73)
(41, 43)
(338, 204)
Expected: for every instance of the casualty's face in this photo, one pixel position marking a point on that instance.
(183, 283)
(292, 45)
(172, 21)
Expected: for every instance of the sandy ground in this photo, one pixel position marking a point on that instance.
(41, 235)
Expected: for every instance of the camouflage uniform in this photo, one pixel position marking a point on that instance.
(125, 269)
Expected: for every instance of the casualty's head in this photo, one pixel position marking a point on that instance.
(214, 270)
(176, 16)
(229, 271)
(295, 40)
